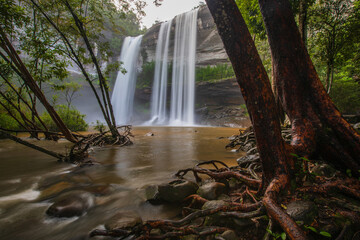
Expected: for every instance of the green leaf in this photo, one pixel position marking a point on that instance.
(311, 228)
(325, 234)
(348, 172)
(294, 155)
(283, 236)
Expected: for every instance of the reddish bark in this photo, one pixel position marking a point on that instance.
(260, 102)
(310, 109)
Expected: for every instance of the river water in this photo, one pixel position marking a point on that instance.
(30, 181)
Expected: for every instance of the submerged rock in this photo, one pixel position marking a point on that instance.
(175, 191)
(71, 204)
(302, 211)
(123, 220)
(212, 190)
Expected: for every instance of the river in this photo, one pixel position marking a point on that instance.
(30, 181)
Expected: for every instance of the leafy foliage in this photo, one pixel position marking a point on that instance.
(73, 119)
(209, 73)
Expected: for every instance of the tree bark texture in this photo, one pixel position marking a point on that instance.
(310, 109)
(256, 89)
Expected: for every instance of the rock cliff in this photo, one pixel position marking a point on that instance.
(209, 50)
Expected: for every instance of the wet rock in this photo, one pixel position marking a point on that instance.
(212, 190)
(224, 221)
(176, 191)
(55, 190)
(100, 189)
(203, 111)
(323, 170)
(149, 134)
(123, 220)
(71, 204)
(302, 211)
(151, 192)
(229, 235)
(213, 204)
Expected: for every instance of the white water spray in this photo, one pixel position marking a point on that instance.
(159, 89)
(183, 73)
(122, 97)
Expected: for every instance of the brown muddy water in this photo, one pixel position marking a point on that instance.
(30, 181)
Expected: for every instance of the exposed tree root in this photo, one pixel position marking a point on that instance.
(247, 201)
(79, 151)
(219, 174)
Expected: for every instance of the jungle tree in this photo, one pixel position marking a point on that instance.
(79, 25)
(317, 126)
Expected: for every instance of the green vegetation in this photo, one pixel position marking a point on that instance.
(202, 74)
(81, 34)
(210, 73)
(330, 31)
(73, 119)
(99, 126)
(146, 76)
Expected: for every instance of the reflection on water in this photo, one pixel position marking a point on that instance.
(25, 174)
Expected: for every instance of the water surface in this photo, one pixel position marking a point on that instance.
(30, 180)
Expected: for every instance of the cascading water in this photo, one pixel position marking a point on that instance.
(183, 73)
(159, 89)
(122, 97)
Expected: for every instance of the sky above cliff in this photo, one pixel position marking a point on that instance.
(168, 10)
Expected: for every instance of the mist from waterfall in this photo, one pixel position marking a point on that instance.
(183, 73)
(159, 89)
(122, 98)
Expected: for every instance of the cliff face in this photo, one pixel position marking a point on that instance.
(209, 47)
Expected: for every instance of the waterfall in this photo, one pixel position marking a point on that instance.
(183, 73)
(123, 95)
(159, 89)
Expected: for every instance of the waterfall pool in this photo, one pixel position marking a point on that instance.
(30, 181)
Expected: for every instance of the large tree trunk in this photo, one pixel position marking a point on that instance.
(256, 90)
(311, 111)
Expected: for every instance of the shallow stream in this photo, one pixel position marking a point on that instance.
(30, 181)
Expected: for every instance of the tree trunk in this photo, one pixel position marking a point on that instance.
(310, 109)
(256, 90)
(30, 145)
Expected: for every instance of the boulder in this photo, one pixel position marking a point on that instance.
(302, 211)
(219, 220)
(323, 170)
(149, 134)
(71, 204)
(229, 235)
(123, 220)
(212, 190)
(176, 191)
